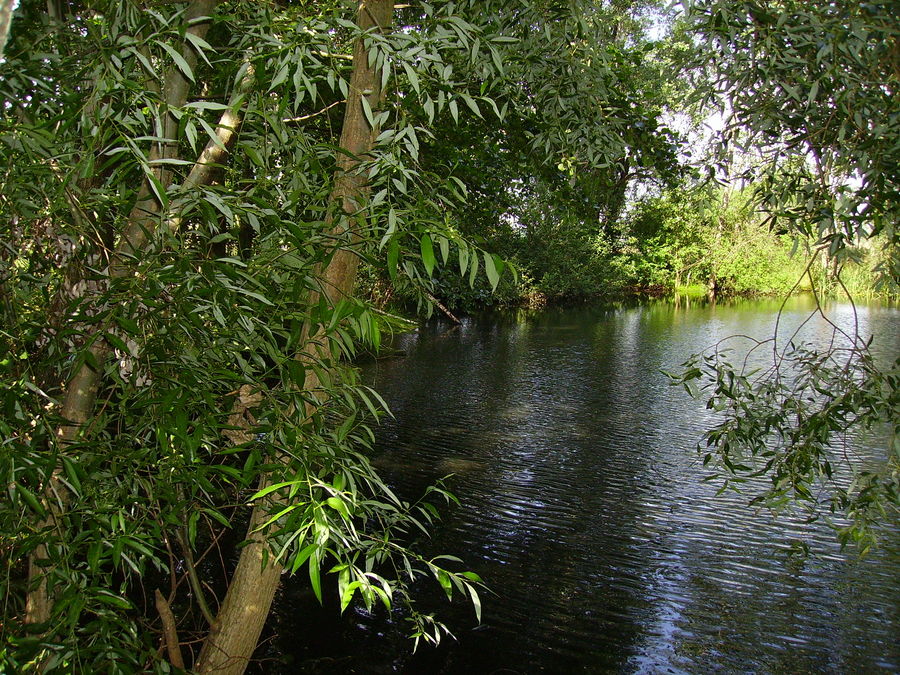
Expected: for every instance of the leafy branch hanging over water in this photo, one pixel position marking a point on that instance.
(810, 89)
(789, 422)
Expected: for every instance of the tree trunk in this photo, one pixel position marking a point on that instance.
(81, 390)
(235, 633)
(6, 10)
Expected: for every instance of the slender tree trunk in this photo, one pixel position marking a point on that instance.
(81, 390)
(235, 633)
(6, 10)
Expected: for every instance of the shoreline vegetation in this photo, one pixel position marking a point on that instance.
(856, 282)
(693, 240)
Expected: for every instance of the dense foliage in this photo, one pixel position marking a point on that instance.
(188, 188)
(711, 239)
(172, 348)
(810, 91)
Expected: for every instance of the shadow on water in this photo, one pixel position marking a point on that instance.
(582, 507)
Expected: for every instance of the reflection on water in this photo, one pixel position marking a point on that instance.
(583, 509)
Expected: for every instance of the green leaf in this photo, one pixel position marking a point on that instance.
(384, 596)
(193, 518)
(392, 258)
(495, 57)
(216, 515)
(169, 161)
(93, 556)
(206, 105)
(255, 296)
(138, 546)
(315, 577)
(200, 45)
(499, 263)
(32, 501)
(145, 63)
(392, 222)
(476, 602)
(367, 111)
(114, 600)
(277, 516)
(156, 187)
(413, 77)
(128, 325)
(491, 270)
(381, 402)
(272, 488)
(338, 505)
(116, 342)
(444, 580)
(347, 595)
(280, 76)
(473, 106)
(254, 156)
(190, 131)
(444, 244)
(213, 135)
(71, 471)
(178, 59)
(302, 556)
(427, 249)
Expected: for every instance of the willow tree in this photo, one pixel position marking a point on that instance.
(811, 90)
(177, 304)
(235, 631)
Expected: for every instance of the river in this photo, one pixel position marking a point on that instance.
(582, 507)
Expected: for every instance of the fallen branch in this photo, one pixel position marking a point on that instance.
(437, 303)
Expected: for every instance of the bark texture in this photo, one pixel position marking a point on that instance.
(235, 633)
(81, 390)
(6, 10)
(170, 631)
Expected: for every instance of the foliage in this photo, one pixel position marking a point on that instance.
(810, 91)
(791, 419)
(581, 99)
(712, 237)
(194, 291)
(209, 327)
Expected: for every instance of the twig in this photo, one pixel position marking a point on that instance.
(194, 580)
(303, 118)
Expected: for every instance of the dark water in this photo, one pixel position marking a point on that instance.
(583, 509)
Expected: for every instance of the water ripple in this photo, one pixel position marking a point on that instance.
(582, 507)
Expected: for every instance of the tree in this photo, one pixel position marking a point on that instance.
(811, 88)
(176, 325)
(237, 627)
(582, 101)
(713, 239)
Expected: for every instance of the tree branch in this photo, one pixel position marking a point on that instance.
(170, 632)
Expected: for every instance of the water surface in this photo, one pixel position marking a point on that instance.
(582, 506)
